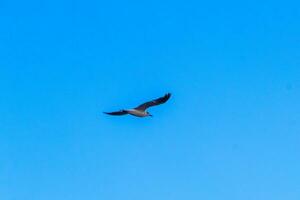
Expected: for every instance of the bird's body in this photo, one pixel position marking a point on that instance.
(137, 113)
(140, 111)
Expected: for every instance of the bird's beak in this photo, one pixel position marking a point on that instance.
(150, 115)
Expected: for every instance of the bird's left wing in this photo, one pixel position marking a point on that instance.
(121, 112)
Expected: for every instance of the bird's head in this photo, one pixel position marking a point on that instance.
(148, 114)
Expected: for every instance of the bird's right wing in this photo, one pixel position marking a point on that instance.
(154, 102)
(121, 112)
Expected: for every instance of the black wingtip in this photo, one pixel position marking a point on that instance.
(168, 95)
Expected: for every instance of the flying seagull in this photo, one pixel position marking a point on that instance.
(140, 111)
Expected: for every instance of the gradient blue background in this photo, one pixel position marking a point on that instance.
(231, 130)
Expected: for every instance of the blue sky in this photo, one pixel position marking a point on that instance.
(230, 131)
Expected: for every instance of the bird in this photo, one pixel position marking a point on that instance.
(141, 110)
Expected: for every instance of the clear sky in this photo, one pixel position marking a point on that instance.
(230, 131)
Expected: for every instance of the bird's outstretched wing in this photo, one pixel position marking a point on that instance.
(154, 102)
(121, 112)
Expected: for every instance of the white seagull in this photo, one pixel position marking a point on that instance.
(140, 111)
